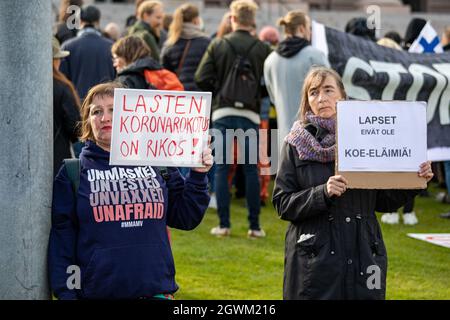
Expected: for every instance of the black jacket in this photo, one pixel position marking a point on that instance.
(338, 261)
(172, 55)
(133, 76)
(65, 119)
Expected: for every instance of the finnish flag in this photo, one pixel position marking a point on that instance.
(427, 41)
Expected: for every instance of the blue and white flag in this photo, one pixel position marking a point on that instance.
(427, 41)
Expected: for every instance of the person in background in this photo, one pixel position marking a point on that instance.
(393, 35)
(409, 216)
(132, 19)
(185, 45)
(271, 36)
(167, 20)
(182, 53)
(413, 30)
(112, 31)
(333, 234)
(90, 60)
(133, 62)
(286, 68)
(66, 110)
(66, 27)
(149, 25)
(121, 246)
(445, 40)
(389, 43)
(358, 27)
(212, 74)
(224, 27)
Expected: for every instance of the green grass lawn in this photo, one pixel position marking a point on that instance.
(240, 268)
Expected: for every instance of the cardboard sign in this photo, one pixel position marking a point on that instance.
(381, 144)
(159, 128)
(440, 239)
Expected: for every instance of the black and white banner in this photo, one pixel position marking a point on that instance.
(372, 72)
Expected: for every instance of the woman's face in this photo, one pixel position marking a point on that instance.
(323, 99)
(119, 63)
(100, 118)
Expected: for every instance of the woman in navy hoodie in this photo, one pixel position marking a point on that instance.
(113, 229)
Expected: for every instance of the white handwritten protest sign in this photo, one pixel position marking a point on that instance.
(161, 128)
(381, 136)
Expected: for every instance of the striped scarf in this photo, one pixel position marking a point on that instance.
(307, 146)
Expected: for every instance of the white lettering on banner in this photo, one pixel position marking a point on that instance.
(441, 75)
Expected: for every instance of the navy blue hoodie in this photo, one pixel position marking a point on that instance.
(115, 231)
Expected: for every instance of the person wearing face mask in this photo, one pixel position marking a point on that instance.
(111, 226)
(286, 68)
(150, 17)
(333, 239)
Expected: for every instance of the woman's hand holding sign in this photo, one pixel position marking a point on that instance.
(425, 171)
(336, 186)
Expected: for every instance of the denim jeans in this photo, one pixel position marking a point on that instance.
(252, 187)
(447, 175)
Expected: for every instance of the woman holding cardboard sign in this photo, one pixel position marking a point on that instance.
(334, 247)
(108, 238)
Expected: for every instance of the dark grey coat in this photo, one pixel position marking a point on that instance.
(347, 246)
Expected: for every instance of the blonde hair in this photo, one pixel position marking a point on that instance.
(100, 90)
(147, 7)
(183, 14)
(130, 48)
(292, 21)
(315, 77)
(244, 11)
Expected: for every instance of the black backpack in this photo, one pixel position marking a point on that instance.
(241, 87)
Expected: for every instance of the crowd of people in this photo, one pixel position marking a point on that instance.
(288, 85)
